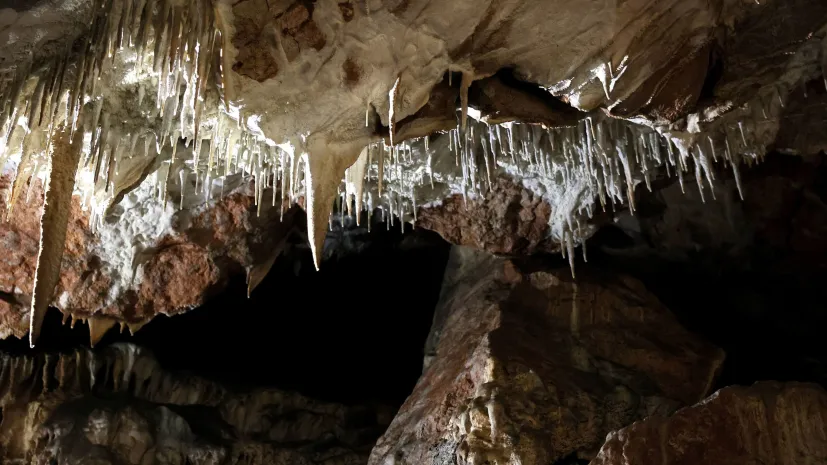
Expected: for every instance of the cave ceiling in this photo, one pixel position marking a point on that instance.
(142, 122)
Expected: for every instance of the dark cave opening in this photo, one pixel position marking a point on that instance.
(353, 332)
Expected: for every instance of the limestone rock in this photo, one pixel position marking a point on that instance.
(314, 77)
(529, 367)
(129, 270)
(121, 406)
(769, 422)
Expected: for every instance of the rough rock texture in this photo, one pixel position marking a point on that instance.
(120, 407)
(175, 273)
(529, 367)
(508, 220)
(19, 238)
(769, 422)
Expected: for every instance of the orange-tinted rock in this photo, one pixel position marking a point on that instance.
(175, 279)
(182, 269)
(767, 423)
(508, 220)
(253, 40)
(529, 367)
(19, 240)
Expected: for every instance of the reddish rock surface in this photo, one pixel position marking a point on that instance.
(508, 220)
(529, 367)
(263, 31)
(767, 423)
(19, 240)
(184, 267)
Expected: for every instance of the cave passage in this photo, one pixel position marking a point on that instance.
(353, 332)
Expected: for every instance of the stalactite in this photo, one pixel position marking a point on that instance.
(467, 79)
(355, 182)
(53, 225)
(183, 45)
(393, 98)
(324, 167)
(98, 326)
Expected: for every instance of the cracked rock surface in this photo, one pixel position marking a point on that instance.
(529, 367)
(780, 423)
(128, 279)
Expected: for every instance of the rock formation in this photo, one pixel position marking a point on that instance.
(530, 367)
(153, 150)
(121, 406)
(765, 423)
(145, 260)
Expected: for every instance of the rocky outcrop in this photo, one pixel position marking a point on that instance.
(508, 220)
(779, 423)
(120, 406)
(146, 257)
(529, 366)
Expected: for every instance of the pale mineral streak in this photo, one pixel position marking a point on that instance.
(56, 208)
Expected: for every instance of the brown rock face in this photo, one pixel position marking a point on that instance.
(508, 220)
(19, 238)
(529, 367)
(266, 34)
(765, 423)
(120, 406)
(184, 266)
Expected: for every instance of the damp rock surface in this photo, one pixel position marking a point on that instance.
(529, 367)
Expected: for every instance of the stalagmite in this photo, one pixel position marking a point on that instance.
(53, 225)
(98, 326)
